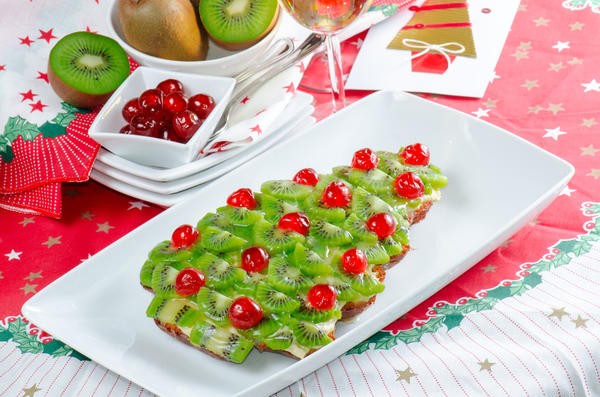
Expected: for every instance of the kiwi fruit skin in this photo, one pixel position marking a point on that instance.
(163, 28)
(62, 81)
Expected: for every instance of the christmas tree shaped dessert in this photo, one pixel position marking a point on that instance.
(276, 269)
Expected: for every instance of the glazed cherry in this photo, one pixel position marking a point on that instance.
(294, 221)
(244, 313)
(174, 102)
(130, 109)
(365, 159)
(242, 198)
(184, 236)
(170, 86)
(151, 100)
(307, 176)
(415, 154)
(354, 261)
(189, 281)
(201, 104)
(126, 129)
(185, 124)
(409, 185)
(382, 224)
(255, 259)
(336, 194)
(322, 297)
(146, 125)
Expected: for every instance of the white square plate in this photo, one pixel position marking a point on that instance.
(497, 183)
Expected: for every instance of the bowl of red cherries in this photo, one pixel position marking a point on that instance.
(162, 118)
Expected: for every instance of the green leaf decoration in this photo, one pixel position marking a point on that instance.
(63, 119)
(52, 130)
(6, 151)
(17, 125)
(73, 109)
(453, 320)
(25, 342)
(499, 292)
(387, 10)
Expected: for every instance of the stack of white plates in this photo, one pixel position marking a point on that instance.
(169, 186)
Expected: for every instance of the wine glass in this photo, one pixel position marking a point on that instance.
(328, 17)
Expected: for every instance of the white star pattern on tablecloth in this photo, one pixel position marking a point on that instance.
(137, 205)
(13, 255)
(561, 45)
(479, 113)
(554, 133)
(591, 86)
(567, 191)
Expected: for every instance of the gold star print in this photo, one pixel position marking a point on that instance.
(104, 227)
(589, 151)
(490, 103)
(52, 241)
(576, 26)
(529, 84)
(489, 269)
(26, 221)
(522, 7)
(594, 173)
(575, 61)
(485, 365)
(558, 313)
(87, 215)
(580, 322)
(541, 21)
(535, 109)
(525, 45)
(32, 276)
(506, 243)
(405, 374)
(555, 67)
(555, 108)
(520, 55)
(589, 122)
(29, 288)
(31, 391)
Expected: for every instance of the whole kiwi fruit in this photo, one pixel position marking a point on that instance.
(163, 28)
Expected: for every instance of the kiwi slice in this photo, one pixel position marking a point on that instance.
(239, 216)
(375, 253)
(390, 164)
(163, 281)
(329, 233)
(85, 68)
(214, 304)
(309, 334)
(169, 310)
(277, 240)
(309, 262)
(374, 180)
(309, 313)
(275, 301)
(280, 339)
(274, 208)
(219, 220)
(219, 273)
(345, 293)
(223, 342)
(218, 240)
(358, 228)
(285, 277)
(315, 210)
(238, 24)
(365, 204)
(286, 189)
(366, 283)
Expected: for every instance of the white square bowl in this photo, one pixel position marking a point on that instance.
(154, 151)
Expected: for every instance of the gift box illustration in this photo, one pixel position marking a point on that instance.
(439, 31)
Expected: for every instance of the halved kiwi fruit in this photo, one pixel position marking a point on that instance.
(85, 68)
(238, 24)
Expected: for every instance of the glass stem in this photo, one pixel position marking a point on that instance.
(336, 74)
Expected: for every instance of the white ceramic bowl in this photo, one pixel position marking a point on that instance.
(154, 151)
(219, 62)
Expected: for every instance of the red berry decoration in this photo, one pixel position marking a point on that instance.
(184, 236)
(151, 100)
(130, 109)
(409, 185)
(307, 176)
(145, 125)
(170, 86)
(415, 154)
(322, 297)
(185, 124)
(354, 261)
(382, 224)
(242, 198)
(189, 281)
(365, 159)
(294, 221)
(244, 313)
(255, 259)
(336, 194)
(174, 102)
(201, 104)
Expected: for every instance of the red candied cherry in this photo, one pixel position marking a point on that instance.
(322, 297)
(151, 100)
(244, 313)
(131, 108)
(174, 102)
(382, 224)
(126, 129)
(242, 198)
(189, 281)
(201, 104)
(307, 176)
(255, 259)
(354, 261)
(336, 194)
(146, 125)
(170, 86)
(415, 154)
(185, 124)
(184, 236)
(294, 221)
(365, 159)
(409, 185)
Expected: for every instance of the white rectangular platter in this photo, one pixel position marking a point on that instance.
(497, 183)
